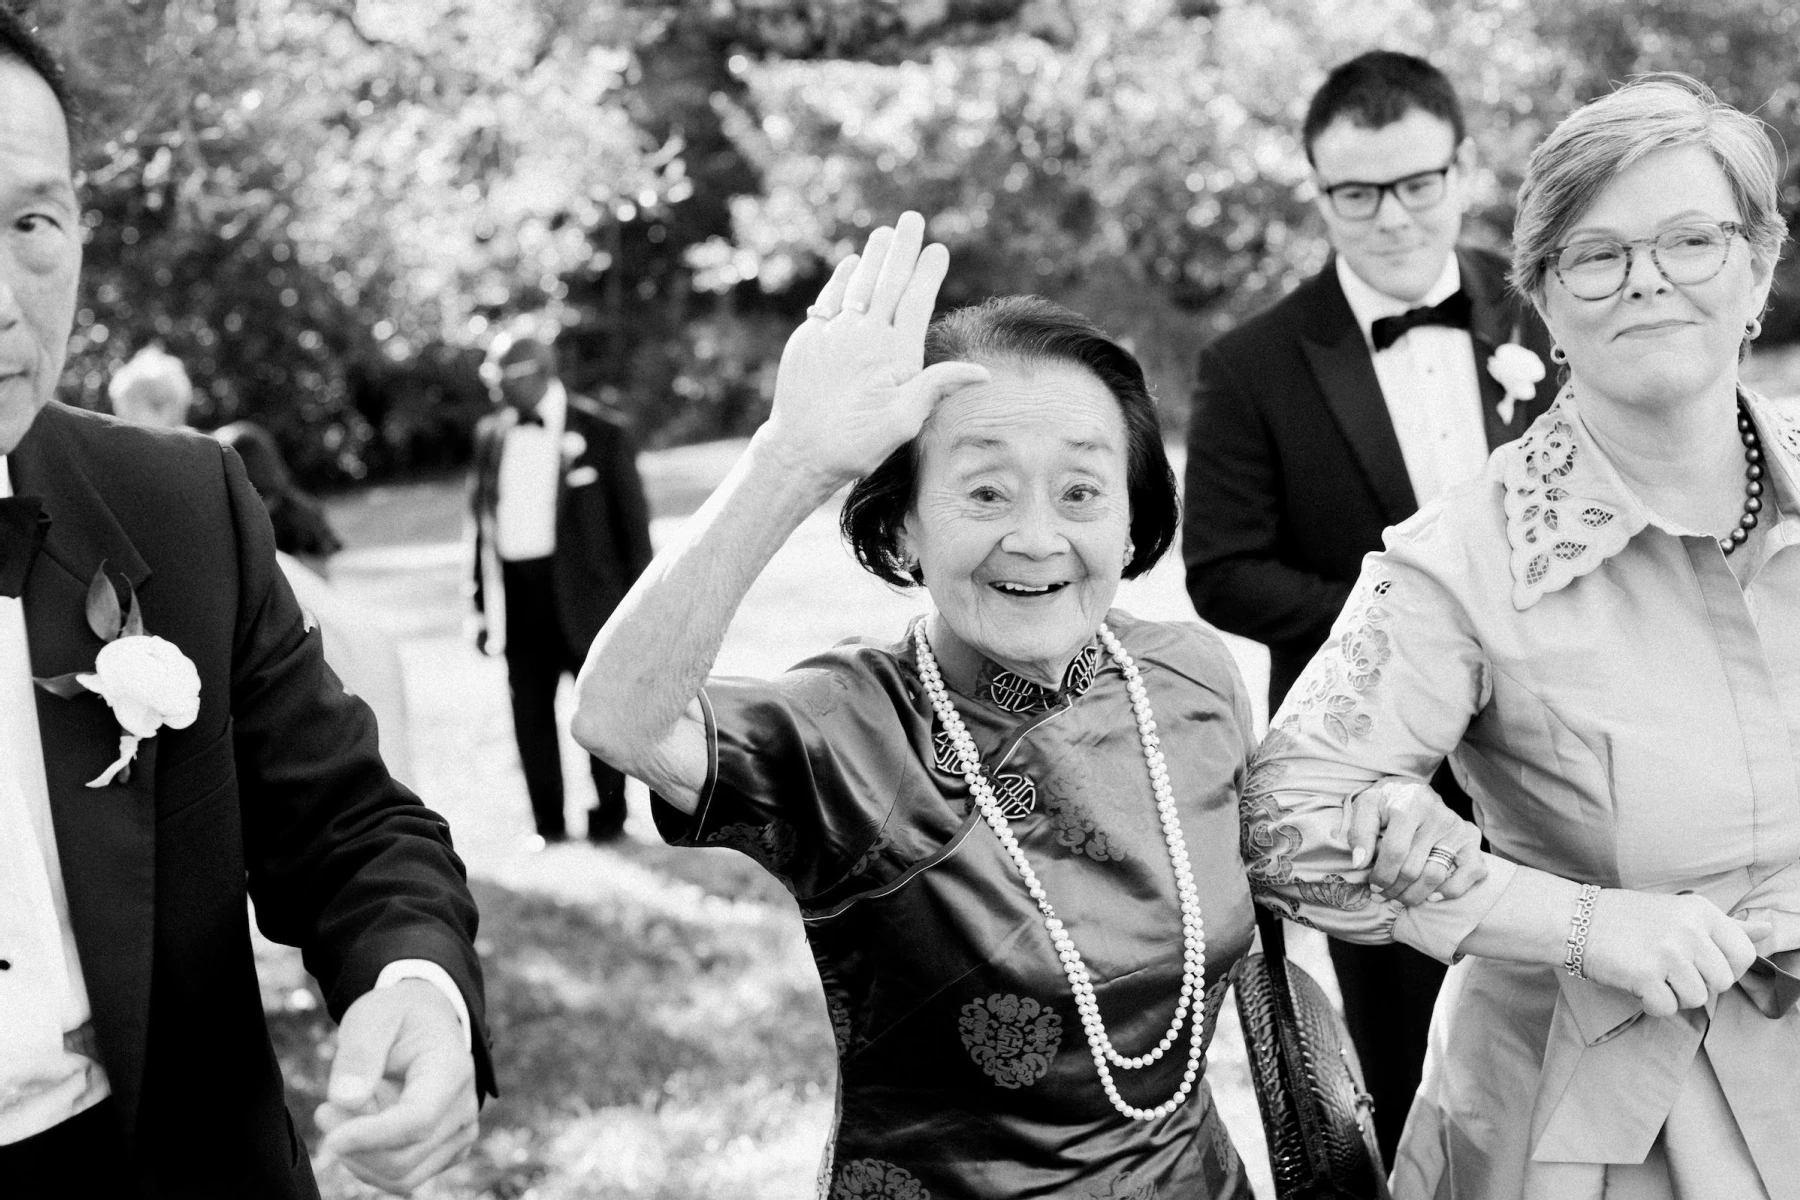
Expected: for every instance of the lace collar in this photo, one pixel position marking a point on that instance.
(1568, 511)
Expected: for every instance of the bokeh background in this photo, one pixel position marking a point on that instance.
(325, 206)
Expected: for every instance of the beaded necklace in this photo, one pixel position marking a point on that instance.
(1193, 929)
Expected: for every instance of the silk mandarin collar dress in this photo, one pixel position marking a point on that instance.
(1625, 711)
(964, 1073)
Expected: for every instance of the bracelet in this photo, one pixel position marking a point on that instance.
(1575, 950)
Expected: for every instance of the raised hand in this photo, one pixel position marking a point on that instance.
(1671, 952)
(851, 387)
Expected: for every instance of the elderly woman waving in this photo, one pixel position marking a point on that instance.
(1014, 835)
(1603, 635)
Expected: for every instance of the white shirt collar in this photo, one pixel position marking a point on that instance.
(5, 478)
(553, 405)
(1369, 305)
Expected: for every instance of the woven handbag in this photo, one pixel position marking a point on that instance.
(1309, 1084)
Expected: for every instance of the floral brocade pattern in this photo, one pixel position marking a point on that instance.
(1267, 844)
(1011, 1038)
(1335, 685)
(872, 1179)
(772, 844)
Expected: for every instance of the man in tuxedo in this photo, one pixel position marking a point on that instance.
(137, 566)
(561, 533)
(1367, 392)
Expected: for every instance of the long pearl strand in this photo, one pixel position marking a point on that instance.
(1193, 928)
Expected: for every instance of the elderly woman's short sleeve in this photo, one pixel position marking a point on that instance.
(805, 770)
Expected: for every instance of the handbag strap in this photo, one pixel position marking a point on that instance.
(1287, 1032)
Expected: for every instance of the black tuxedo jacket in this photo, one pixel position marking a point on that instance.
(602, 520)
(1293, 466)
(276, 787)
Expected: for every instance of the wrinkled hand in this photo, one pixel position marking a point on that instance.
(1671, 952)
(398, 1137)
(850, 388)
(1398, 822)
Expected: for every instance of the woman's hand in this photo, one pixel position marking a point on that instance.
(850, 388)
(1671, 952)
(1400, 822)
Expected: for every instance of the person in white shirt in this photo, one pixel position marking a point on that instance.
(171, 743)
(562, 531)
(1371, 389)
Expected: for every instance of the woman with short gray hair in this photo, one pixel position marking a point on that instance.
(1602, 634)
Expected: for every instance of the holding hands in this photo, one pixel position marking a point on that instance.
(852, 385)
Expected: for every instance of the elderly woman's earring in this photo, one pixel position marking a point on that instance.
(1558, 354)
(1753, 330)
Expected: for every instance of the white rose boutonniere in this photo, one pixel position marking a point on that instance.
(573, 446)
(1518, 371)
(146, 680)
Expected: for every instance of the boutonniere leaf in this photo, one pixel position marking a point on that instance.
(146, 680)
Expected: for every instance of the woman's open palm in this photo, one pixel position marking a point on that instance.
(852, 385)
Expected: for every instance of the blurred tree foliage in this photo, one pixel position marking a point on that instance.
(323, 205)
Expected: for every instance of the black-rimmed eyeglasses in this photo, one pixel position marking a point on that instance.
(1357, 200)
(1595, 268)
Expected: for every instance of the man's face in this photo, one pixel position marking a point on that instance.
(40, 248)
(519, 376)
(1396, 250)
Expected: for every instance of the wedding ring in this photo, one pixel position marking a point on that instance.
(1440, 855)
(815, 313)
(857, 306)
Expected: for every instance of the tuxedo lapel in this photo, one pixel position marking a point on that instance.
(1492, 323)
(1345, 372)
(105, 837)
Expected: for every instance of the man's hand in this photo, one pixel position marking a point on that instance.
(397, 1138)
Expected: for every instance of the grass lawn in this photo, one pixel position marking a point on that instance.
(657, 1023)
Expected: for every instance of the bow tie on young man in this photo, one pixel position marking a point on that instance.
(23, 524)
(1454, 312)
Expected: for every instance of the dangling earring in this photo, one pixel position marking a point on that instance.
(1558, 355)
(1753, 330)
(1130, 551)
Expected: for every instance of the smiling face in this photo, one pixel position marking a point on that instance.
(1021, 518)
(1654, 343)
(40, 248)
(1396, 251)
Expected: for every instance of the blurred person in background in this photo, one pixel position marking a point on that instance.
(561, 531)
(364, 655)
(171, 744)
(153, 389)
(1015, 834)
(1371, 389)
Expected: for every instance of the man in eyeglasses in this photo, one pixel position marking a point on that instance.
(1361, 396)
(561, 533)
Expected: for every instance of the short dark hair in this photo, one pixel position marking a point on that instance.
(19, 41)
(1031, 329)
(1377, 88)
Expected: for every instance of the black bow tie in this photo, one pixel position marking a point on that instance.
(530, 417)
(23, 524)
(1454, 312)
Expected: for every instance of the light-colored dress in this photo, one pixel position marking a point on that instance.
(1624, 712)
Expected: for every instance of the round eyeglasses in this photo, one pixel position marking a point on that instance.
(1356, 200)
(1596, 268)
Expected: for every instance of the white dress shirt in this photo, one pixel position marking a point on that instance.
(44, 1080)
(530, 463)
(42, 993)
(1429, 382)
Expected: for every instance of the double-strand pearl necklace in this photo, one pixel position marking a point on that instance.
(1193, 929)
